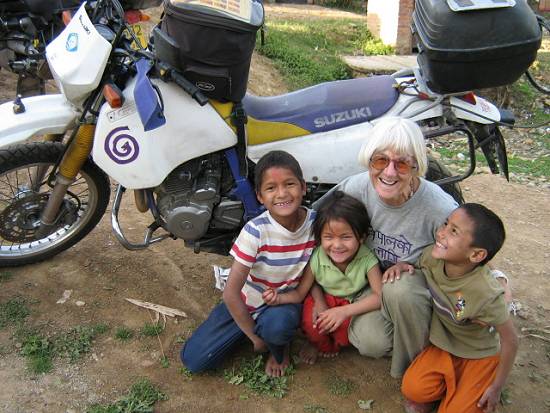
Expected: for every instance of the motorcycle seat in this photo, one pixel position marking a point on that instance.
(323, 107)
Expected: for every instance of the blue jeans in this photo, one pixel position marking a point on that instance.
(218, 335)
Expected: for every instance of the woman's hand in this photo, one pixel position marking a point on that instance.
(271, 296)
(329, 320)
(394, 272)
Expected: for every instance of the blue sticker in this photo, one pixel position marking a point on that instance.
(72, 42)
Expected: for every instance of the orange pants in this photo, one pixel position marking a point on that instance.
(459, 383)
(329, 342)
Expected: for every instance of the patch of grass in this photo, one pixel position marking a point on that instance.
(124, 333)
(370, 45)
(5, 276)
(39, 351)
(151, 330)
(340, 386)
(185, 372)
(314, 408)
(164, 362)
(13, 311)
(307, 52)
(505, 397)
(251, 374)
(78, 341)
(536, 167)
(140, 399)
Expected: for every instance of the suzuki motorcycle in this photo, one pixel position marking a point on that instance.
(134, 119)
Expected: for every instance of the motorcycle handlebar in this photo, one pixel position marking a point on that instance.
(189, 87)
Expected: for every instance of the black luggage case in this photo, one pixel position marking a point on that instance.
(215, 45)
(464, 50)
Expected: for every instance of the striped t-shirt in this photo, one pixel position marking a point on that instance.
(276, 256)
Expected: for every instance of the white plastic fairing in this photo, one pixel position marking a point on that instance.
(139, 159)
(43, 114)
(326, 157)
(77, 57)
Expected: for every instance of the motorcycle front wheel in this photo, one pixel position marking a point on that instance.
(24, 192)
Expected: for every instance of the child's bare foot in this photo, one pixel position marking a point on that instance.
(308, 354)
(329, 355)
(274, 369)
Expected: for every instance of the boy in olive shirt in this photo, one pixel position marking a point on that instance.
(466, 365)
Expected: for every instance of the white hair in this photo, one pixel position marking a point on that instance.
(400, 135)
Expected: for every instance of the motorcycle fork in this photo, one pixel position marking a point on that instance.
(78, 151)
(38, 175)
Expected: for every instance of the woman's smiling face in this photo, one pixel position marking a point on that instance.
(393, 187)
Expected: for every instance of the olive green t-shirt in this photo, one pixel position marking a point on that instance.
(464, 309)
(346, 285)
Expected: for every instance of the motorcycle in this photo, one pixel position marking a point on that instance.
(135, 119)
(26, 27)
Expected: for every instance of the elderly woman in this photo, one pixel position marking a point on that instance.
(405, 211)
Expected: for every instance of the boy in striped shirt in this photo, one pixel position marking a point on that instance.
(270, 266)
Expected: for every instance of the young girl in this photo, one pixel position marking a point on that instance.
(348, 280)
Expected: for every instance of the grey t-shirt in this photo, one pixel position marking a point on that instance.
(399, 233)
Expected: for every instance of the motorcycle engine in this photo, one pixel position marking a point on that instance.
(190, 199)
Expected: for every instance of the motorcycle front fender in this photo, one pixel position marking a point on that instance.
(42, 114)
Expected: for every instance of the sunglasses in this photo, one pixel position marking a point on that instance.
(381, 162)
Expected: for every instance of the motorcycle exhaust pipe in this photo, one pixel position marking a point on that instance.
(70, 165)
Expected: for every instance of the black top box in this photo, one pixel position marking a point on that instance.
(459, 51)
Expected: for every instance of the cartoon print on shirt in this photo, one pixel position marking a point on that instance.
(459, 305)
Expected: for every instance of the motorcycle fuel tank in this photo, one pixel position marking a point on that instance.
(139, 159)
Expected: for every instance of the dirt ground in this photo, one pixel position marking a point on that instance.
(101, 274)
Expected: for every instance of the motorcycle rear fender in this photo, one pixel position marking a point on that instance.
(43, 114)
(488, 112)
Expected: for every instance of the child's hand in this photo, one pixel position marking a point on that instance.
(490, 399)
(329, 320)
(318, 308)
(271, 296)
(394, 272)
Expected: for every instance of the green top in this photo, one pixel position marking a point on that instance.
(346, 285)
(464, 309)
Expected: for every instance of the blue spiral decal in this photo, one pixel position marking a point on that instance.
(121, 148)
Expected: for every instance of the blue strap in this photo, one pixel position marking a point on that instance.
(147, 101)
(243, 189)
